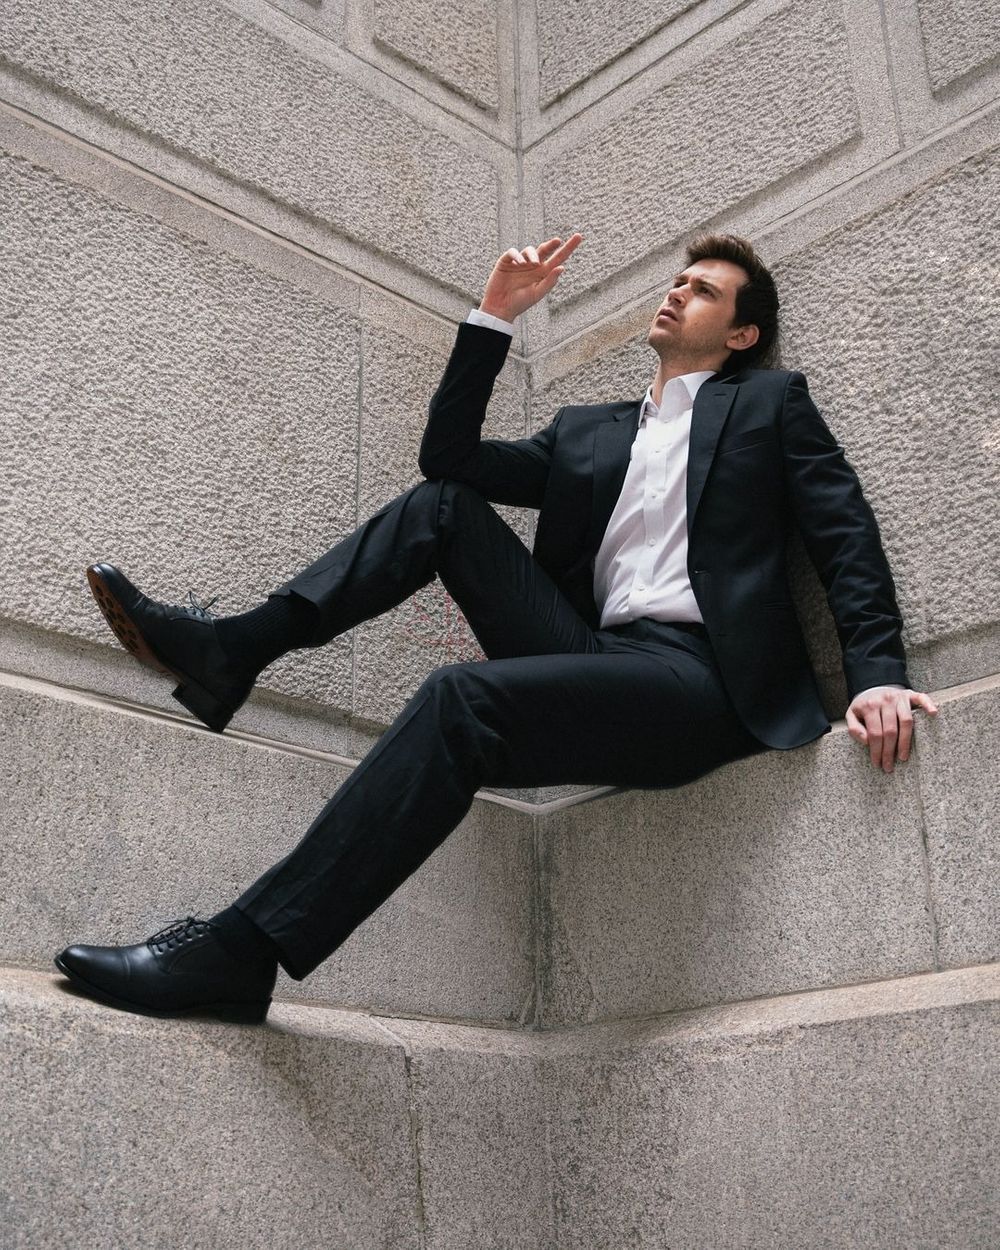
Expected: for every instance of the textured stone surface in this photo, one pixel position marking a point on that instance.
(787, 871)
(959, 36)
(325, 16)
(609, 370)
(860, 1117)
(167, 408)
(123, 823)
(960, 785)
(576, 40)
(694, 148)
(120, 1130)
(911, 401)
(397, 651)
(206, 82)
(847, 1134)
(456, 44)
(484, 1133)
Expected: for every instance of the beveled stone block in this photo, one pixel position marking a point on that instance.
(120, 823)
(297, 128)
(784, 871)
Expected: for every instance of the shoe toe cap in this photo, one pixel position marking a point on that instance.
(104, 966)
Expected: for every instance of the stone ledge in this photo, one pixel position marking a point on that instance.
(738, 885)
(854, 1118)
(783, 872)
(121, 821)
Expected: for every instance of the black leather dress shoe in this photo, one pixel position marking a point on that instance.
(177, 639)
(182, 970)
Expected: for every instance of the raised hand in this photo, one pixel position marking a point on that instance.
(521, 279)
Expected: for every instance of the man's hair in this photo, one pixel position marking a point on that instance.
(756, 299)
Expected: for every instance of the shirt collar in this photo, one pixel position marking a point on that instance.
(678, 394)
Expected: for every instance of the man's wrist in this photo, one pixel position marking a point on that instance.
(885, 685)
(478, 317)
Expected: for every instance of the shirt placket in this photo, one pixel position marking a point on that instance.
(653, 494)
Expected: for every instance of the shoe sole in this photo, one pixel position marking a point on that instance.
(198, 701)
(234, 1013)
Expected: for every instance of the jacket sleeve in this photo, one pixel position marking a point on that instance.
(507, 472)
(842, 538)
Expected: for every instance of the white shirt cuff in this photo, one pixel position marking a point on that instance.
(490, 322)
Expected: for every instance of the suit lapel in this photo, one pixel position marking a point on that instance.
(613, 442)
(612, 445)
(711, 408)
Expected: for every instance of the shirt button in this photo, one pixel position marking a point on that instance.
(651, 543)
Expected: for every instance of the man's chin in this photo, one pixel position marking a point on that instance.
(660, 340)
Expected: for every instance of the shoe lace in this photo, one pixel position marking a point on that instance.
(177, 933)
(197, 608)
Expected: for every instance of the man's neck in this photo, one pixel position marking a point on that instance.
(677, 369)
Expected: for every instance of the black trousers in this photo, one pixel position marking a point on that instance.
(640, 705)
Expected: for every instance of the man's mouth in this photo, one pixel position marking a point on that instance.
(666, 312)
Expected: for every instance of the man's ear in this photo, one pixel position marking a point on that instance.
(743, 337)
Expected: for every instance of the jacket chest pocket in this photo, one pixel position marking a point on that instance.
(759, 435)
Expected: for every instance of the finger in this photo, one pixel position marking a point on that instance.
(511, 259)
(905, 730)
(549, 281)
(546, 249)
(873, 726)
(567, 249)
(890, 733)
(531, 255)
(855, 728)
(925, 701)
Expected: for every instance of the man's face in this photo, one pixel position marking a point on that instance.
(695, 319)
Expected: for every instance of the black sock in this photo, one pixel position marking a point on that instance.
(256, 639)
(241, 937)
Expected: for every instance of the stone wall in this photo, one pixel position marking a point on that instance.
(235, 239)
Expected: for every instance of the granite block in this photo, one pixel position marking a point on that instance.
(123, 1131)
(693, 145)
(168, 408)
(960, 790)
(570, 52)
(121, 823)
(294, 127)
(456, 45)
(915, 420)
(484, 1133)
(958, 37)
(863, 1119)
(787, 870)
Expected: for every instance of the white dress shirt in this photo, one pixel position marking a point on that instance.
(641, 565)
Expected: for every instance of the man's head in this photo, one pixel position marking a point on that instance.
(721, 311)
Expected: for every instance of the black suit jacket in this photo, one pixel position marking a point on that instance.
(761, 459)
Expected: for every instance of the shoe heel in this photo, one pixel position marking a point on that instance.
(203, 704)
(243, 1013)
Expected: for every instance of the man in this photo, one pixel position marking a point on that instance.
(649, 639)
